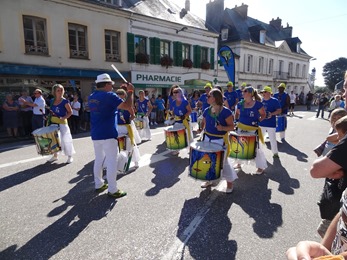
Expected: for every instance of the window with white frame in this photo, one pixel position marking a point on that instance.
(249, 65)
(140, 44)
(225, 34)
(112, 45)
(271, 66)
(35, 35)
(78, 41)
(290, 69)
(185, 51)
(164, 48)
(297, 69)
(304, 71)
(204, 54)
(261, 65)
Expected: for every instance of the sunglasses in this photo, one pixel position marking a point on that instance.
(245, 91)
(176, 92)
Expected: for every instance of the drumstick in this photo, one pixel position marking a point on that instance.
(120, 74)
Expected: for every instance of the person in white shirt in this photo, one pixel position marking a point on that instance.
(38, 106)
(292, 98)
(75, 118)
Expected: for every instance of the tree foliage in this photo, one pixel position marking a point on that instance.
(334, 71)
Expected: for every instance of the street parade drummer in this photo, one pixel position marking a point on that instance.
(249, 112)
(143, 110)
(126, 129)
(217, 122)
(181, 110)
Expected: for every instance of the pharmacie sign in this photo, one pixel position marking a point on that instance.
(156, 78)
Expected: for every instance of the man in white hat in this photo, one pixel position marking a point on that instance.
(103, 104)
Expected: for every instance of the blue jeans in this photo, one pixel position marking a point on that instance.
(320, 108)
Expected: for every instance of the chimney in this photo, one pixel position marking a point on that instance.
(288, 31)
(187, 5)
(276, 23)
(242, 10)
(214, 15)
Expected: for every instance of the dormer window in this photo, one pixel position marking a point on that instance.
(298, 47)
(113, 2)
(262, 35)
(225, 35)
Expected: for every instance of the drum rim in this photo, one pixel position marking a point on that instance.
(206, 143)
(233, 133)
(56, 128)
(175, 129)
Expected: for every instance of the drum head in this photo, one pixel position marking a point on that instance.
(45, 130)
(174, 128)
(242, 134)
(206, 147)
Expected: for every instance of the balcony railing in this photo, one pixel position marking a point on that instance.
(32, 49)
(113, 57)
(281, 75)
(78, 54)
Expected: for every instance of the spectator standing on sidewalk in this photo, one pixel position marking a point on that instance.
(322, 103)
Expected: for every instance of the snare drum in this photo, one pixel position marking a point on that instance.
(281, 123)
(206, 161)
(122, 143)
(138, 123)
(243, 145)
(47, 140)
(176, 137)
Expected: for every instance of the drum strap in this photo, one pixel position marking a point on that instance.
(225, 139)
(252, 128)
(187, 126)
(130, 133)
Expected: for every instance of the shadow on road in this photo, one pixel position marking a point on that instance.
(84, 207)
(28, 174)
(285, 147)
(211, 239)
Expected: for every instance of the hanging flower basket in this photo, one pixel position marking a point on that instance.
(187, 63)
(141, 58)
(166, 61)
(205, 65)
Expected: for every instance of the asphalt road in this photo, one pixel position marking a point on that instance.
(50, 211)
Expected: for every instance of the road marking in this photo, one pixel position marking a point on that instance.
(177, 249)
(22, 161)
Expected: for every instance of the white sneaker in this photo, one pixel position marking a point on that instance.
(69, 159)
(53, 159)
(208, 184)
(155, 123)
(229, 190)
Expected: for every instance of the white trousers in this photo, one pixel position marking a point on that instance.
(106, 152)
(228, 172)
(271, 131)
(67, 147)
(131, 149)
(145, 132)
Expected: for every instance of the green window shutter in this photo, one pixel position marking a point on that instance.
(197, 56)
(154, 57)
(212, 58)
(156, 51)
(131, 47)
(151, 50)
(177, 51)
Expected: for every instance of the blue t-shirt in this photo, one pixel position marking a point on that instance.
(212, 121)
(270, 106)
(203, 98)
(239, 94)
(160, 103)
(123, 117)
(283, 101)
(142, 106)
(231, 97)
(60, 109)
(249, 116)
(103, 107)
(193, 102)
(180, 110)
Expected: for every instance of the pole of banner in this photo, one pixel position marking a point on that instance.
(120, 74)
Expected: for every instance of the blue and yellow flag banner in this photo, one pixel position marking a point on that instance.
(227, 58)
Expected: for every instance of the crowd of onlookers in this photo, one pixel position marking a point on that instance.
(16, 117)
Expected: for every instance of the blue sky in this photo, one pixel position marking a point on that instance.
(320, 25)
